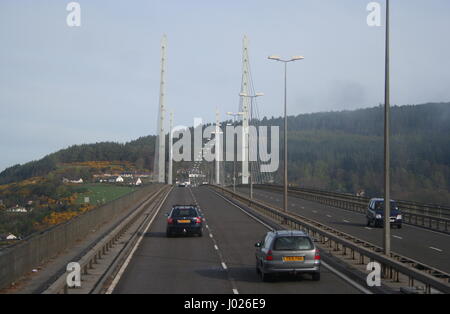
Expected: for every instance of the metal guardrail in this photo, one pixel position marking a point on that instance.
(359, 204)
(413, 207)
(392, 266)
(88, 261)
(19, 260)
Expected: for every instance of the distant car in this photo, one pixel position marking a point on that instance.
(181, 185)
(287, 251)
(184, 219)
(375, 213)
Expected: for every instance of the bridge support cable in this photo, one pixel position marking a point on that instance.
(160, 143)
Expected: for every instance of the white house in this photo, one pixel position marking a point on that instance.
(11, 237)
(17, 209)
(119, 179)
(8, 236)
(77, 181)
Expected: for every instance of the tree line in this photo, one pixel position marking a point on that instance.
(336, 151)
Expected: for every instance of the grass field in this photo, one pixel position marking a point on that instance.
(103, 193)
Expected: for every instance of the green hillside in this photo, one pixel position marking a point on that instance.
(336, 151)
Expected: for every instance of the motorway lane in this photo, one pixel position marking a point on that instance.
(173, 265)
(220, 262)
(426, 246)
(235, 234)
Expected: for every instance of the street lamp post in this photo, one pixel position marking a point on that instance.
(234, 115)
(248, 136)
(387, 197)
(276, 58)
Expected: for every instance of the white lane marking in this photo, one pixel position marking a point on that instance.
(235, 291)
(428, 230)
(400, 238)
(216, 247)
(405, 225)
(314, 211)
(329, 216)
(368, 228)
(207, 227)
(210, 235)
(346, 278)
(436, 249)
(224, 266)
(127, 261)
(346, 221)
(336, 272)
(245, 212)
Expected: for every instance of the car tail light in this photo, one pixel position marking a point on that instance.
(317, 255)
(269, 256)
(198, 220)
(170, 221)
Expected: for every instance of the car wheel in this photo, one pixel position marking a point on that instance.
(168, 234)
(399, 226)
(200, 233)
(368, 222)
(316, 276)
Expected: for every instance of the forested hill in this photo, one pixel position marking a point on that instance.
(140, 152)
(411, 119)
(343, 151)
(336, 151)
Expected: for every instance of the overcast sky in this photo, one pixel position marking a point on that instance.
(63, 85)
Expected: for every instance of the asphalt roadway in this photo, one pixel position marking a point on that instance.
(220, 262)
(427, 246)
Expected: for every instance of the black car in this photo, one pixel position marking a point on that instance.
(184, 219)
(375, 213)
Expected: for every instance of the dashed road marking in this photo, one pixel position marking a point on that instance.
(436, 249)
(216, 247)
(235, 291)
(341, 275)
(329, 216)
(397, 237)
(224, 266)
(346, 221)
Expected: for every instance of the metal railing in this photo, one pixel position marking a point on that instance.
(103, 247)
(412, 213)
(20, 259)
(392, 266)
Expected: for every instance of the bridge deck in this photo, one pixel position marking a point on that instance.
(223, 263)
(427, 246)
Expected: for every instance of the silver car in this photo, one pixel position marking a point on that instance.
(287, 251)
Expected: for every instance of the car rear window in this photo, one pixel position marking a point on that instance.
(292, 243)
(184, 212)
